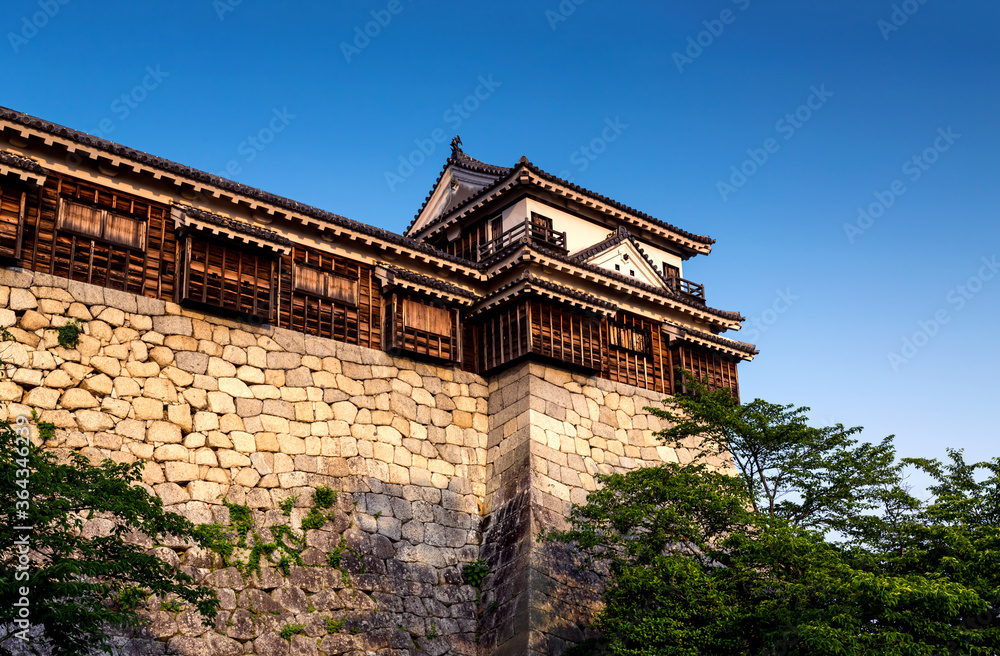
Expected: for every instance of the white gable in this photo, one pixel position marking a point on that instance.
(456, 185)
(626, 260)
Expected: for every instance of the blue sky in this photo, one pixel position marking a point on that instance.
(695, 89)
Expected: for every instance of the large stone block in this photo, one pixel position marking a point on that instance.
(173, 325)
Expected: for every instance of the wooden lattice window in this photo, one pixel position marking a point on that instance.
(12, 207)
(328, 285)
(228, 276)
(564, 335)
(420, 327)
(715, 370)
(629, 338)
(98, 223)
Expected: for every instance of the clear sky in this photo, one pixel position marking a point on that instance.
(650, 103)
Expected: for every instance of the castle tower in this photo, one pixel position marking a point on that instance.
(461, 384)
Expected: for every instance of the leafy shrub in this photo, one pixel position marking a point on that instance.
(69, 334)
(325, 497)
(289, 630)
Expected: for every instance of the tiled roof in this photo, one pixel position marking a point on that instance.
(460, 159)
(701, 239)
(524, 162)
(722, 341)
(427, 281)
(227, 185)
(665, 293)
(530, 280)
(237, 226)
(617, 237)
(18, 162)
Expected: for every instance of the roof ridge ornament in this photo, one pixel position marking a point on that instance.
(456, 146)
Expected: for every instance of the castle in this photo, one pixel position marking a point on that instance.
(460, 384)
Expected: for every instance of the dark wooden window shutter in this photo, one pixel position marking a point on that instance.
(326, 284)
(427, 318)
(81, 219)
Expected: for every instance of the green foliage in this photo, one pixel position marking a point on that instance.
(287, 504)
(6, 335)
(810, 543)
(289, 630)
(46, 429)
(241, 519)
(315, 519)
(333, 626)
(334, 558)
(80, 586)
(325, 497)
(432, 632)
(217, 538)
(475, 573)
(69, 334)
(172, 606)
(241, 538)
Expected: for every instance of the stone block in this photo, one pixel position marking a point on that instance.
(221, 403)
(21, 299)
(142, 369)
(192, 362)
(180, 472)
(173, 325)
(171, 452)
(74, 399)
(164, 431)
(147, 408)
(235, 388)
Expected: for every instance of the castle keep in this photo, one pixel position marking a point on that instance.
(460, 385)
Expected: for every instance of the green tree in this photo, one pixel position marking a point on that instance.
(805, 541)
(76, 584)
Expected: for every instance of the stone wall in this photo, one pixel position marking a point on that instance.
(436, 468)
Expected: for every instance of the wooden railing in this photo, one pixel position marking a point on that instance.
(691, 289)
(537, 234)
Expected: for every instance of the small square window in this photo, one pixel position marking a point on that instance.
(618, 267)
(631, 272)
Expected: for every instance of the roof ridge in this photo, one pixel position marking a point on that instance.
(725, 341)
(235, 224)
(668, 293)
(526, 163)
(460, 159)
(229, 185)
